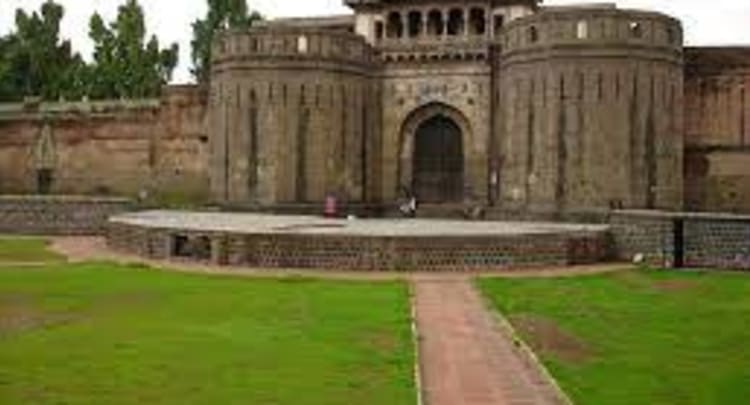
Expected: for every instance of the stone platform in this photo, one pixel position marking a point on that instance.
(268, 241)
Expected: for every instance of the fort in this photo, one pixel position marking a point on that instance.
(524, 110)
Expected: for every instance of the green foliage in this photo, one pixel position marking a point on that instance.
(652, 337)
(35, 61)
(7, 82)
(110, 334)
(222, 15)
(125, 65)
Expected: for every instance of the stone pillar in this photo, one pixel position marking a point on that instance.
(488, 28)
(444, 22)
(404, 26)
(466, 22)
(745, 105)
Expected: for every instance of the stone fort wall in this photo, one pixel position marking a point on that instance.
(107, 147)
(568, 109)
(717, 135)
(413, 91)
(590, 106)
(294, 116)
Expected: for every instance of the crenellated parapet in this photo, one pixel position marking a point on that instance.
(593, 32)
(274, 46)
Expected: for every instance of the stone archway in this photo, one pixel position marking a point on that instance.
(438, 162)
(432, 158)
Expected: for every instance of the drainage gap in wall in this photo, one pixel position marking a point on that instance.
(191, 247)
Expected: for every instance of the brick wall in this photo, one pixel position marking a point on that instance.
(59, 215)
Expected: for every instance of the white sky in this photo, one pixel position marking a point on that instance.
(707, 22)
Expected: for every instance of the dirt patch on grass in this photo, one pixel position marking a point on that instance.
(675, 285)
(544, 336)
(633, 280)
(383, 341)
(17, 317)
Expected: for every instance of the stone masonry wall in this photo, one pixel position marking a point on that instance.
(717, 134)
(107, 147)
(346, 253)
(709, 240)
(643, 233)
(414, 92)
(590, 111)
(58, 215)
(294, 116)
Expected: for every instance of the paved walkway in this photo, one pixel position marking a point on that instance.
(465, 358)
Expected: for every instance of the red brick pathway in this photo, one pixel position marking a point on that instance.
(465, 358)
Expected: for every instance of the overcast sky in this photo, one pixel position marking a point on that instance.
(714, 22)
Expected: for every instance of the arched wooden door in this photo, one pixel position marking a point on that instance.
(438, 165)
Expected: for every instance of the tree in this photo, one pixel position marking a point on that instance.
(222, 15)
(7, 81)
(34, 61)
(124, 64)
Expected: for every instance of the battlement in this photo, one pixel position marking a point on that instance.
(291, 43)
(594, 26)
(34, 110)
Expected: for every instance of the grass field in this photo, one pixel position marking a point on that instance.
(637, 337)
(25, 250)
(107, 334)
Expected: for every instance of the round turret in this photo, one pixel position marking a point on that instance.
(590, 101)
(290, 110)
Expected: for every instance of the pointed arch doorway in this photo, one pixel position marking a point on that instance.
(433, 153)
(438, 161)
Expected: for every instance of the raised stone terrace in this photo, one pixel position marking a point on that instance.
(267, 241)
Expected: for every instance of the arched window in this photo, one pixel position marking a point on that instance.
(533, 34)
(477, 21)
(379, 30)
(498, 22)
(395, 27)
(636, 29)
(582, 30)
(302, 44)
(435, 25)
(415, 24)
(456, 23)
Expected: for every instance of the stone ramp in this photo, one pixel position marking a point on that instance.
(465, 358)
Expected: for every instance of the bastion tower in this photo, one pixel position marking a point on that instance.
(292, 111)
(506, 103)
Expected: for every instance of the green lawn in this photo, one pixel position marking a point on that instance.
(25, 250)
(637, 337)
(106, 334)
